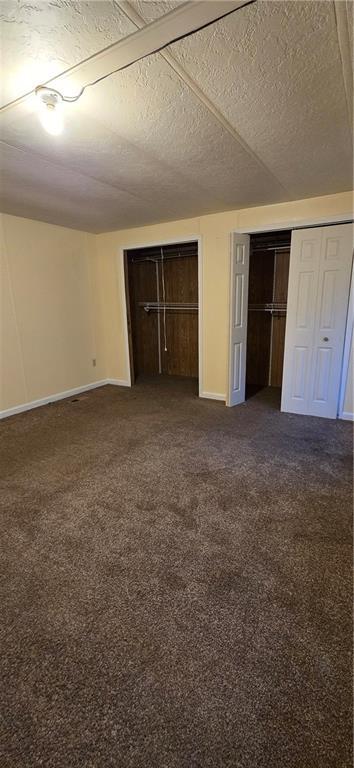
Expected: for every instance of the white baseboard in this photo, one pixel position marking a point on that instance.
(118, 382)
(212, 396)
(346, 415)
(52, 398)
(78, 390)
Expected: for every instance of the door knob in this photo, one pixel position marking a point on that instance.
(325, 338)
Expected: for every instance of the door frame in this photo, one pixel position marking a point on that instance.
(317, 221)
(129, 318)
(348, 345)
(122, 288)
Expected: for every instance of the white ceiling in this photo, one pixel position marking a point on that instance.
(252, 110)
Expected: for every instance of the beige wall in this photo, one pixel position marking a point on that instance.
(215, 233)
(49, 311)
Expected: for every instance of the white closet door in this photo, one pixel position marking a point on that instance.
(300, 320)
(239, 271)
(319, 281)
(331, 316)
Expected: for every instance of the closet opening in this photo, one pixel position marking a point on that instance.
(161, 284)
(267, 306)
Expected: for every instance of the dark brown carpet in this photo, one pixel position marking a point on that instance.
(175, 587)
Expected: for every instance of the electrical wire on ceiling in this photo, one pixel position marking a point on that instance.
(42, 88)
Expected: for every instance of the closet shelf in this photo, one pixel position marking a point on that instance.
(278, 307)
(160, 306)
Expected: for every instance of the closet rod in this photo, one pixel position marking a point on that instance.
(158, 259)
(268, 305)
(272, 311)
(180, 310)
(270, 248)
(279, 307)
(151, 306)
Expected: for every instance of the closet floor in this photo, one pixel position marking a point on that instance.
(175, 582)
(164, 384)
(270, 395)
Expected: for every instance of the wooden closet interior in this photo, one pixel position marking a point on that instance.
(162, 309)
(267, 305)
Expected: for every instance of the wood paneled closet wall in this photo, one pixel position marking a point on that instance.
(162, 306)
(267, 303)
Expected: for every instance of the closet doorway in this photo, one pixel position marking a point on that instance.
(258, 308)
(267, 308)
(289, 294)
(161, 284)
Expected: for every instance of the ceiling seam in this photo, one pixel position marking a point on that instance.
(139, 22)
(62, 166)
(342, 27)
(156, 28)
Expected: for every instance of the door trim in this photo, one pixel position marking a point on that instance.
(317, 221)
(348, 341)
(129, 318)
(123, 296)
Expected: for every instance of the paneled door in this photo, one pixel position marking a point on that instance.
(239, 271)
(318, 294)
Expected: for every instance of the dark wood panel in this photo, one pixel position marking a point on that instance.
(278, 341)
(269, 274)
(180, 285)
(261, 274)
(181, 358)
(181, 279)
(143, 287)
(129, 318)
(281, 278)
(258, 351)
(270, 240)
(281, 275)
(259, 323)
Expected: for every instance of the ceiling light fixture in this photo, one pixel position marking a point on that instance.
(51, 100)
(50, 109)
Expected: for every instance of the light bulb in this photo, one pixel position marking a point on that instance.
(50, 110)
(51, 119)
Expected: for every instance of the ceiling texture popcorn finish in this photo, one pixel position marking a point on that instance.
(252, 110)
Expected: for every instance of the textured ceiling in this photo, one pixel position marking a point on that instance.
(252, 110)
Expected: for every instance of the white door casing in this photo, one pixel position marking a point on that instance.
(318, 294)
(239, 272)
(347, 383)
